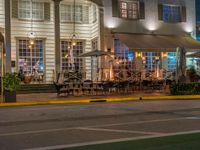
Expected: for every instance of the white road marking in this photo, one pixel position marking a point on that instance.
(98, 126)
(193, 118)
(137, 122)
(35, 132)
(121, 131)
(111, 141)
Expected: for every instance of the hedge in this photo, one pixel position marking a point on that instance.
(185, 89)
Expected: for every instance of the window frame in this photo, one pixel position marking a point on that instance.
(128, 9)
(94, 8)
(18, 39)
(76, 58)
(81, 21)
(30, 10)
(180, 13)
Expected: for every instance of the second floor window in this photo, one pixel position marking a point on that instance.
(67, 13)
(129, 10)
(171, 13)
(31, 10)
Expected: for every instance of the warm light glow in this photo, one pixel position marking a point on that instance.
(138, 54)
(74, 43)
(151, 24)
(111, 73)
(157, 58)
(30, 46)
(31, 42)
(188, 28)
(110, 24)
(117, 62)
(66, 56)
(164, 54)
(157, 73)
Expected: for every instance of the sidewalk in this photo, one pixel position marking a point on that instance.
(52, 98)
(43, 97)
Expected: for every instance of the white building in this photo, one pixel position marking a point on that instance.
(143, 34)
(53, 25)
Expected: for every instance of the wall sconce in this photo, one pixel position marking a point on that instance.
(164, 54)
(156, 58)
(138, 54)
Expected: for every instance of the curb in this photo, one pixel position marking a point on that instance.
(136, 98)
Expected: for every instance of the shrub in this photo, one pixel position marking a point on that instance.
(185, 89)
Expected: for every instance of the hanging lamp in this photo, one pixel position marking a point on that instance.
(31, 35)
(74, 36)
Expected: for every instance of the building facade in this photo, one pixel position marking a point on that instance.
(149, 33)
(143, 34)
(53, 26)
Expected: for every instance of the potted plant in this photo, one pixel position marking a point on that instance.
(11, 83)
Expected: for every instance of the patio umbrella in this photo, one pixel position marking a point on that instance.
(196, 55)
(95, 53)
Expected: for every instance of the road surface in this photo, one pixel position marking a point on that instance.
(58, 126)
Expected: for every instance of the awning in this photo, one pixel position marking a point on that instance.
(158, 42)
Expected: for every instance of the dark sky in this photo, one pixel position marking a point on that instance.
(198, 10)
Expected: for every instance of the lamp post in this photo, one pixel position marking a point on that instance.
(2, 72)
(2, 65)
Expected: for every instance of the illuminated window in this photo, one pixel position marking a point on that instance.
(122, 54)
(30, 59)
(70, 55)
(171, 61)
(129, 10)
(151, 60)
(28, 10)
(171, 13)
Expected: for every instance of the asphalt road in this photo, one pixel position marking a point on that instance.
(58, 126)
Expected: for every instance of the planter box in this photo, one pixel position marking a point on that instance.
(10, 96)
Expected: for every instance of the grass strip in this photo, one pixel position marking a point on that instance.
(178, 142)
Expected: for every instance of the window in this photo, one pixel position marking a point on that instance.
(78, 14)
(24, 9)
(94, 13)
(171, 61)
(70, 55)
(30, 59)
(38, 11)
(151, 60)
(95, 44)
(123, 57)
(28, 10)
(67, 13)
(171, 13)
(129, 10)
